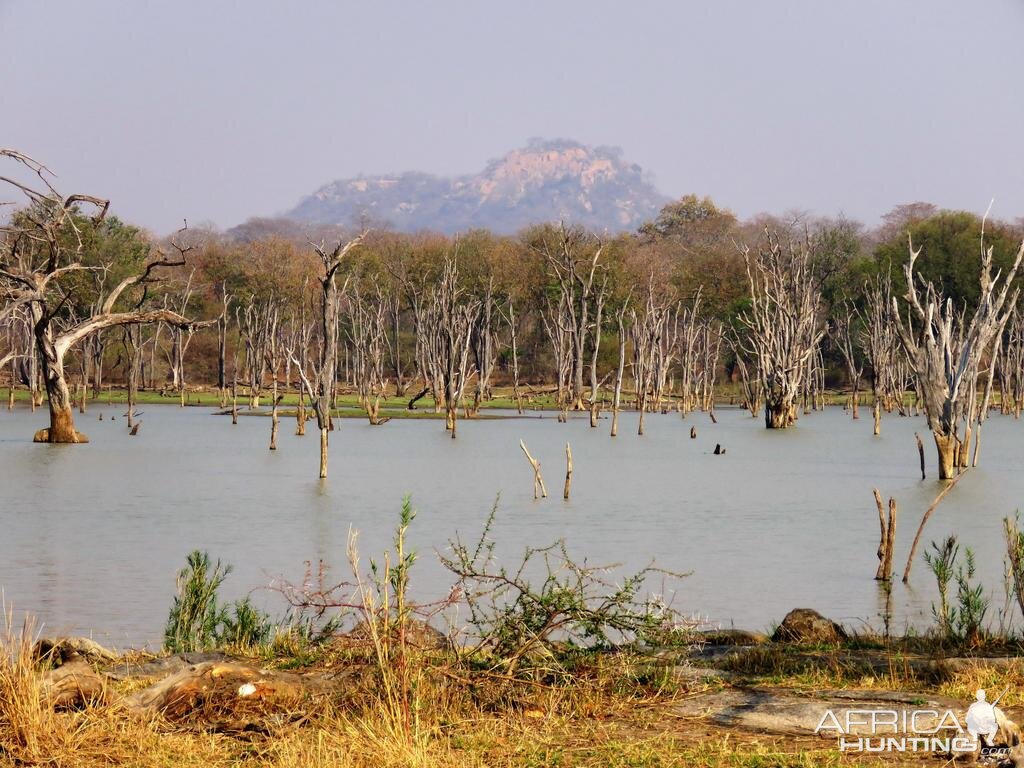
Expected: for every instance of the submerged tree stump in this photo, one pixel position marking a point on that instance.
(887, 537)
(568, 471)
(538, 481)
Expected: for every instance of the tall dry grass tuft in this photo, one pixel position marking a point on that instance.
(27, 723)
(384, 604)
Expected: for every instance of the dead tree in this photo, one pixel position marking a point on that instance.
(539, 489)
(484, 347)
(181, 339)
(699, 344)
(846, 339)
(881, 348)
(648, 333)
(275, 354)
(620, 322)
(508, 313)
(945, 349)
(595, 348)
(559, 334)
(132, 340)
(299, 340)
(1010, 365)
(568, 472)
(573, 258)
(448, 329)
(750, 381)
(222, 345)
(783, 324)
(320, 381)
(393, 304)
(887, 537)
(254, 325)
(42, 249)
(367, 332)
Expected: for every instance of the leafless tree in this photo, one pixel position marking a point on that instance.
(256, 323)
(648, 328)
(367, 326)
(320, 381)
(623, 337)
(560, 336)
(222, 344)
(448, 321)
(484, 345)
(508, 313)
(881, 348)
(275, 353)
(750, 381)
(573, 258)
(784, 324)
(945, 349)
(181, 339)
(1010, 365)
(846, 337)
(41, 249)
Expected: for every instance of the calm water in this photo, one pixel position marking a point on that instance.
(91, 536)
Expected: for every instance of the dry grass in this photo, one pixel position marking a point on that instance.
(617, 713)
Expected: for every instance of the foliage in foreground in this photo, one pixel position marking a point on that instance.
(198, 621)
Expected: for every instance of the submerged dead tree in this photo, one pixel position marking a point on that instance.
(1010, 365)
(255, 319)
(784, 324)
(945, 349)
(367, 331)
(448, 321)
(181, 339)
(880, 345)
(320, 381)
(573, 257)
(43, 249)
(749, 380)
(485, 348)
(845, 338)
(887, 537)
(654, 332)
(623, 337)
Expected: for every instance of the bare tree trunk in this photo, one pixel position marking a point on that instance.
(273, 416)
(62, 422)
(538, 481)
(300, 412)
(617, 396)
(946, 448)
(887, 538)
(234, 393)
(323, 452)
(568, 471)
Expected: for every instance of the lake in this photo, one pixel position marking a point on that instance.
(91, 536)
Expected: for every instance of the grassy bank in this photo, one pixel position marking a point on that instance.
(538, 399)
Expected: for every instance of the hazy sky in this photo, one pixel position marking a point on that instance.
(218, 111)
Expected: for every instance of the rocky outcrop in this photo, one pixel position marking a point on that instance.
(543, 181)
(804, 625)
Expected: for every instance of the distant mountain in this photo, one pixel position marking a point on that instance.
(543, 181)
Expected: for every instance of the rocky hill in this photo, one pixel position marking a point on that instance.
(543, 181)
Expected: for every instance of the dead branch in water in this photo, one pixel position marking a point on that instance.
(887, 537)
(568, 471)
(920, 528)
(538, 481)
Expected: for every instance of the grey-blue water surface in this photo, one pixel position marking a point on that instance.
(91, 535)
